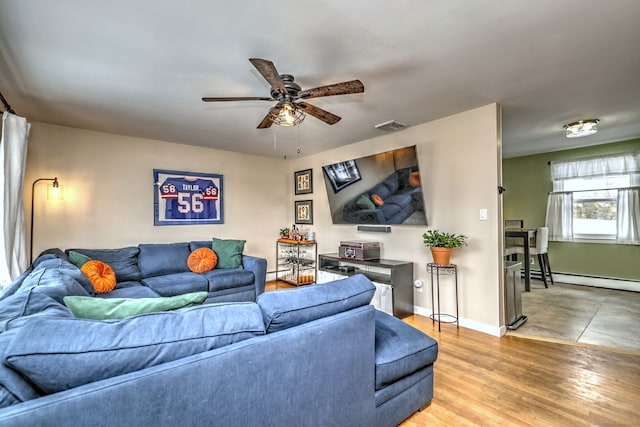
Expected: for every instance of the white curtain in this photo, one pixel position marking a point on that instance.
(617, 164)
(13, 159)
(560, 216)
(629, 216)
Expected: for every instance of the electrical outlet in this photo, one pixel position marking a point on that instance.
(531, 261)
(418, 285)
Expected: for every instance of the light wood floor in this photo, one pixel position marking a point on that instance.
(482, 380)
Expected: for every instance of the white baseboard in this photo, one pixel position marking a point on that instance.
(468, 323)
(595, 281)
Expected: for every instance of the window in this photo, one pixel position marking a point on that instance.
(595, 199)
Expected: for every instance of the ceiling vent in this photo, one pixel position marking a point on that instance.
(390, 125)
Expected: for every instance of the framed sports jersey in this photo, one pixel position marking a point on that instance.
(187, 198)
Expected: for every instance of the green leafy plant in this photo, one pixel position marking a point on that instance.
(284, 232)
(438, 239)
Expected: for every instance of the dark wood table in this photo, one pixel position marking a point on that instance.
(525, 234)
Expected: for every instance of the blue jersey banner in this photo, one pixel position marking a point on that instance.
(187, 198)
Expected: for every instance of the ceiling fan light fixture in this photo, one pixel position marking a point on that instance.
(581, 128)
(287, 115)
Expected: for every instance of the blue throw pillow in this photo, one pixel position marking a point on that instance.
(284, 309)
(58, 354)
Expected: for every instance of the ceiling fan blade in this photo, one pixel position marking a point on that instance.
(344, 88)
(268, 121)
(319, 113)
(269, 72)
(239, 98)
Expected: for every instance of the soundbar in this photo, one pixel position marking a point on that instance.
(375, 228)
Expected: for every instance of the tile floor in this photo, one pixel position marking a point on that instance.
(581, 314)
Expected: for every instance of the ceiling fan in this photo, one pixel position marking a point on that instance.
(291, 108)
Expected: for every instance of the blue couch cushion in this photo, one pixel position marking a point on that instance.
(288, 308)
(197, 244)
(123, 261)
(58, 354)
(386, 188)
(401, 349)
(41, 294)
(177, 283)
(13, 388)
(38, 276)
(228, 278)
(158, 259)
(129, 290)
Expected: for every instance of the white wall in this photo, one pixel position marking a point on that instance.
(108, 199)
(459, 159)
(108, 191)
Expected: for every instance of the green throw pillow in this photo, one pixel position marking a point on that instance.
(229, 252)
(78, 259)
(364, 202)
(119, 308)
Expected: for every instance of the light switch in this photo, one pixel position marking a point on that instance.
(483, 214)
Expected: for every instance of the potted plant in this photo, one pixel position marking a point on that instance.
(284, 233)
(442, 244)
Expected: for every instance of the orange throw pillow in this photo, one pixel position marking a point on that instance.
(414, 179)
(377, 200)
(101, 276)
(201, 260)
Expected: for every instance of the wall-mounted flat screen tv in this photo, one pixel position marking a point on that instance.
(383, 188)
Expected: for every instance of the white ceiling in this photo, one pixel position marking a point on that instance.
(140, 67)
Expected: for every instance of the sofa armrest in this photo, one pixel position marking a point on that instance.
(259, 268)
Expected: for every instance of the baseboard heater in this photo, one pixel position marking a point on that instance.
(588, 280)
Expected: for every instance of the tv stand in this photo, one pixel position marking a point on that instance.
(393, 280)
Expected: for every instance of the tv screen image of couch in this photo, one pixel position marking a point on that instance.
(384, 188)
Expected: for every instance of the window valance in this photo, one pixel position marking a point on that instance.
(617, 164)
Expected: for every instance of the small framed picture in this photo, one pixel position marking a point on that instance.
(303, 181)
(304, 211)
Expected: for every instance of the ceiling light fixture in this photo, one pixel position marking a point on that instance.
(581, 128)
(287, 114)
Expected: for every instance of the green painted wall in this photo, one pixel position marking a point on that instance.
(527, 181)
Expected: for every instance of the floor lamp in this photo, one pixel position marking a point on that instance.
(56, 187)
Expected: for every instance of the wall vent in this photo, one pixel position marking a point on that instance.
(390, 125)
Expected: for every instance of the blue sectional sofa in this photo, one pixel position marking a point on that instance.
(312, 356)
(152, 270)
